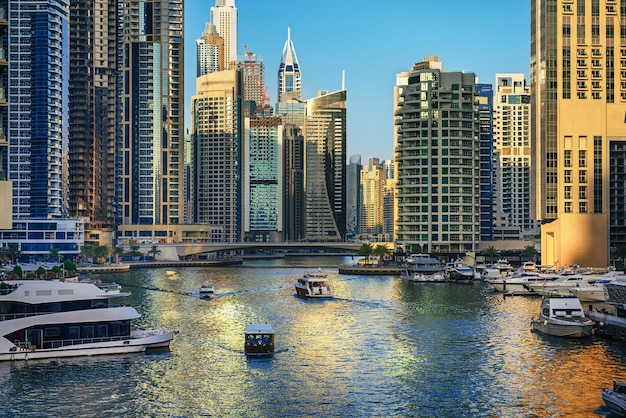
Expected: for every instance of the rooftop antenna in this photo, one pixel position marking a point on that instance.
(343, 79)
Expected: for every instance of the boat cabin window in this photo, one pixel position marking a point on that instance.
(258, 338)
(619, 387)
(73, 333)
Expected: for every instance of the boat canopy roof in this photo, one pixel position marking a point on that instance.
(258, 328)
(565, 303)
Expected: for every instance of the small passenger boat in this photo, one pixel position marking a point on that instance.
(615, 399)
(206, 289)
(259, 340)
(314, 285)
(563, 317)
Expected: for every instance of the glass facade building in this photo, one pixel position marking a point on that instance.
(263, 179)
(325, 157)
(151, 141)
(37, 114)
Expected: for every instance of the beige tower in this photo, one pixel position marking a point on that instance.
(578, 85)
(373, 181)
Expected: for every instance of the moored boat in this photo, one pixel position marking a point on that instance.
(314, 285)
(458, 271)
(615, 399)
(423, 268)
(562, 317)
(259, 339)
(50, 319)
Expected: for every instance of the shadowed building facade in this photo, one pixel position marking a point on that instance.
(325, 156)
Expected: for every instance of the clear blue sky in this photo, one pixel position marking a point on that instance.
(372, 42)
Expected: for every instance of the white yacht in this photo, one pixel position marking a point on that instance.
(563, 317)
(563, 283)
(314, 285)
(423, 268)
(42, 319)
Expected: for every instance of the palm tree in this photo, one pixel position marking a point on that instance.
(88, 251)
(14, 253)
(53, 254)
(491, 252)
(133, 250)
(154, 250)
(4, 255)
(117, 252)
(530, 252)
(101, 252)
(366, 250)
(381, 251)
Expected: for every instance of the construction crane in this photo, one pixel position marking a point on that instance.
(257, 80)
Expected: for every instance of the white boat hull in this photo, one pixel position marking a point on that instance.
(139, 342)
(562, 329)
(509, 287)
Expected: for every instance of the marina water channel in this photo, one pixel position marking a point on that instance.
(382, 347)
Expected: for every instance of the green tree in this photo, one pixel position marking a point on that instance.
(417, 249)
(366, 251)
(381, 251)
(491, 252)
(56, 270)
(41, 271)
(154, 250)
(530, 252)
(17, 270)
(69, 267)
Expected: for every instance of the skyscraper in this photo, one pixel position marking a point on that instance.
(217, 129)
(577, 73)
(38, 107)
(373, 181)
(289, 77)
(6, 189)
(512, 146)
(484, 98)
(437, 155)
(263, 178)
(151, 149)
(325, 156)
(353, 196)
(93, 115)
(253, 73)
(209, 51)
(224, 17)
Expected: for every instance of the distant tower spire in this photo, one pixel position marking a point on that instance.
(289, 77)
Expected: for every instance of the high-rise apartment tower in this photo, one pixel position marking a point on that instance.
(578, 85)
(151, 147)
(224, 17)
(437, 160)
